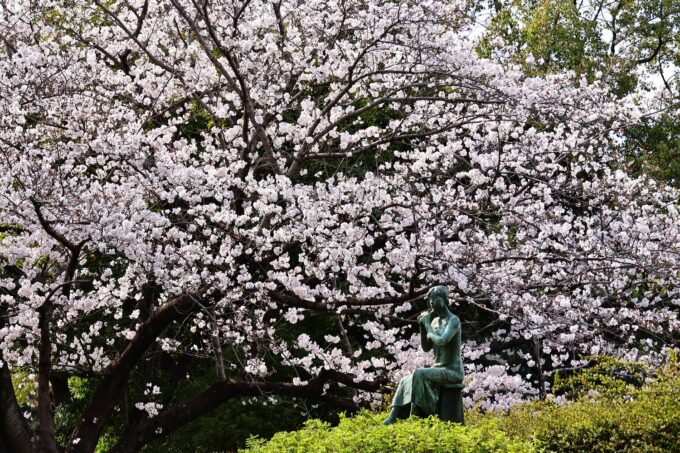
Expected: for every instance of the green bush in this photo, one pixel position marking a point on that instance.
(616, 415)
(366, 433)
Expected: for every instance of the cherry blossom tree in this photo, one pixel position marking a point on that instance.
(202, 178)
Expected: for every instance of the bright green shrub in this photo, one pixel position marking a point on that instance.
(620, 416)
(366, 433)
(646, 425)
(615, 411)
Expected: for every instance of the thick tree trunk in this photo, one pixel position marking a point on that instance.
(48, 441)
(15, 434)
(46, 435)
(109, 390)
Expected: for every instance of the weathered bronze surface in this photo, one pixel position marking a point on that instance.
(435, 390)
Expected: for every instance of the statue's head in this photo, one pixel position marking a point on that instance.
(438, 297)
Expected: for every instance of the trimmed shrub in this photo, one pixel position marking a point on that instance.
(614, 412)
(365, 433)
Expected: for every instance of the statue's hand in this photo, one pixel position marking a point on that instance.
(424, 317)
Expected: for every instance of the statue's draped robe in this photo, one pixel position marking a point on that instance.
(422, 388)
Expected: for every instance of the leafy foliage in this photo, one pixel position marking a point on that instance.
(228, 426)
(366, 433)
(631, 45)
(613, 413)
(654, 148)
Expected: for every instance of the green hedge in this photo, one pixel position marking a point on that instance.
(647, 425)
(613, 411)
(366, 433)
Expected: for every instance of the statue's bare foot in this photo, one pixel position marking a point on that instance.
(392, 417)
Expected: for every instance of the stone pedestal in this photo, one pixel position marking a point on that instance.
(450, 406)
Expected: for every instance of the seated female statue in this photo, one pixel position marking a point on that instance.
(418, 393)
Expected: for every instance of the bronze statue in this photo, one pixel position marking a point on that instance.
(435, 390)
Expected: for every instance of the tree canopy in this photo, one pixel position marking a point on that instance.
(273, 186)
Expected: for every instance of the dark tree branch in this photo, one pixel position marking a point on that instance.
(46, 431)
(115, 376)
(15, 433)
(177, 416)
(654, 53)
(49, 229)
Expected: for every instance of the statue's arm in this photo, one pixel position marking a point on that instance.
(451, 329)
(425, 341)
